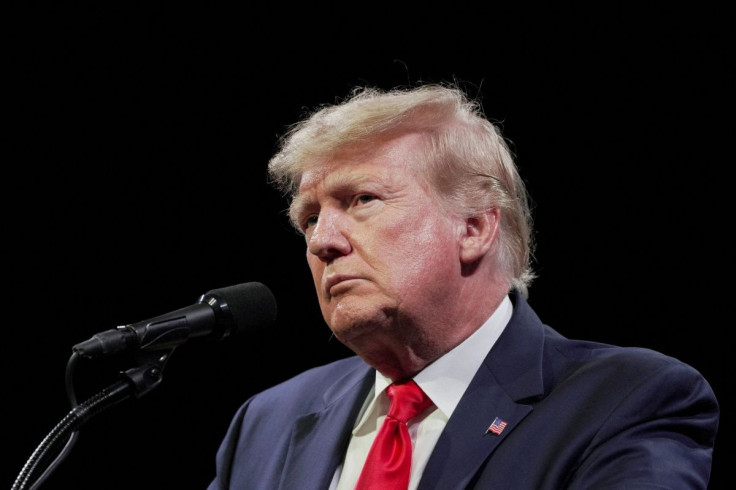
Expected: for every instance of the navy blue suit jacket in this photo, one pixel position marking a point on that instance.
(580, 415)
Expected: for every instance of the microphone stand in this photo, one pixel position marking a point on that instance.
(136, 381)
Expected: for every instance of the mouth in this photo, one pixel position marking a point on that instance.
(336, 283)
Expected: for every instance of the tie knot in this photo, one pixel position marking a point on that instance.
(407, 400)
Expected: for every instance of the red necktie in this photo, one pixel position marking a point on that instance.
(388, 464)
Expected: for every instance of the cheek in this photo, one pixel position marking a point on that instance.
(315, 266)
(419, 251)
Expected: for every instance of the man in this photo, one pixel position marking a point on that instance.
(418, 238)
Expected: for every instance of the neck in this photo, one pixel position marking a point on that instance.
(406, 347)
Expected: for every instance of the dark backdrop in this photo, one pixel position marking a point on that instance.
(139, 137)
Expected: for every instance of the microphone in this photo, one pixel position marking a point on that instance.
(218, 314)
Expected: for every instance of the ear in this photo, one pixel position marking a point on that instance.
(479, 233)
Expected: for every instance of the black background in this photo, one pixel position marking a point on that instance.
(139, 136)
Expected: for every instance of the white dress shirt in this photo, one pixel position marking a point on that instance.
(444, 381)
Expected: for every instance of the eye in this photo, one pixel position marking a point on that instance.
(364, 198)
(309, 221)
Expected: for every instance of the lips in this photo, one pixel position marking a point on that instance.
(333, 281)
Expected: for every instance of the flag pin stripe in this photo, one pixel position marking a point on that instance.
(497, 426)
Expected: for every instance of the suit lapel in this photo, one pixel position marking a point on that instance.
(511, 374)
(319, 439)
(466, 443)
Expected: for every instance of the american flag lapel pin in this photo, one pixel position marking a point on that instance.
(497, 426)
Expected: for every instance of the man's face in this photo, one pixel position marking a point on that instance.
(382, 252)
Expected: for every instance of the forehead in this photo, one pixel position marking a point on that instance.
(382, 161)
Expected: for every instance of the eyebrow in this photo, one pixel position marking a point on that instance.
(335, 183)
(298, 204)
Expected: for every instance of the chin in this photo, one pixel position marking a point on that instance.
(350, 325)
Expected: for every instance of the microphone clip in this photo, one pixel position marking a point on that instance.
(148, 374)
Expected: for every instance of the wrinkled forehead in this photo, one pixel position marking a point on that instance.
(400, 153)
(384, 166)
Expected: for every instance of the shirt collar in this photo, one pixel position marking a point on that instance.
(446, 379)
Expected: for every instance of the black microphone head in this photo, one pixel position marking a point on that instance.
(241, 308)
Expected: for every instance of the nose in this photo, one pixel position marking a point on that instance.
(328, 238)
